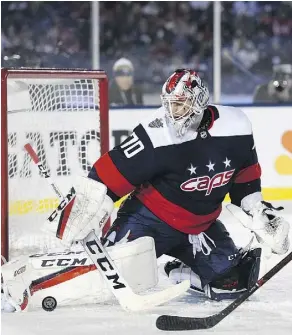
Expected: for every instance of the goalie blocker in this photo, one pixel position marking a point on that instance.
(86, 207)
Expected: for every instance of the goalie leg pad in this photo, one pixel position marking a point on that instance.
(214, 265)
(16, 281)
(236, 281)
(71, 278)
(227, 286)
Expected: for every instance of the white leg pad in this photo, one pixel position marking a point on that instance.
(136, 260)
(184, 272)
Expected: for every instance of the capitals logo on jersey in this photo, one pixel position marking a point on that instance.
(205, 182)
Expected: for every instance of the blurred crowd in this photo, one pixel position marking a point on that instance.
(157, 36)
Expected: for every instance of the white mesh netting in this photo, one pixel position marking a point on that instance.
(60, 118)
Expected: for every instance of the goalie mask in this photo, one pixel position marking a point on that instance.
(185, 97)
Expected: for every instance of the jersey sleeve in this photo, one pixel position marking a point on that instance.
(127, 165)
(248, 178)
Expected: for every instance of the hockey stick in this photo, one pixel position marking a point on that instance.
(118, 285)
(99, 256)
(169, 322)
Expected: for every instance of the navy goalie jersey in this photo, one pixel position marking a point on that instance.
(183, 179)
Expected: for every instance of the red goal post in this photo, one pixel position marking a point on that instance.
(64, 115)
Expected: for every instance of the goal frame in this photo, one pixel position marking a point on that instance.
(38, 73)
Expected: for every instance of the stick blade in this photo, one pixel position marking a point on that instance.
(171, 323)
(144, 302)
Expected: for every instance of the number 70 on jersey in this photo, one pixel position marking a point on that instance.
(132, 146)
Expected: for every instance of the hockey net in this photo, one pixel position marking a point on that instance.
(64, 115)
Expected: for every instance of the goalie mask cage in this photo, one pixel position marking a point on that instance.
(63, 113)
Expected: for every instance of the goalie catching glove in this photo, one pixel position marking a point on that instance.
(261, 218)
(89, 209)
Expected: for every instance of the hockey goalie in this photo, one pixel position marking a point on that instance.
(177, 167)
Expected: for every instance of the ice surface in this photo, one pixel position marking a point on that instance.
(267, 312)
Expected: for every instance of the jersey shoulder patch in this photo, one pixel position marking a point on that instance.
(232, 121)
(156, 128)
(161, 132)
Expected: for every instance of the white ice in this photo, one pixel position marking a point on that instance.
(268, 311)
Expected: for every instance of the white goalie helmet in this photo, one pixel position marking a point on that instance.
(185, 97)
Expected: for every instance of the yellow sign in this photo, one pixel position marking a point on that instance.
(283, 163)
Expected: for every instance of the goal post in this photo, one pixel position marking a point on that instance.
(63, 113)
